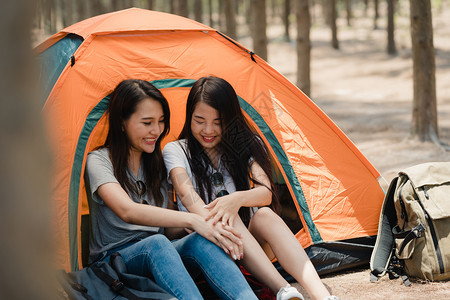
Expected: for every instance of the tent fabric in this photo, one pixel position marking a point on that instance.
(333, 186)
(54, 59)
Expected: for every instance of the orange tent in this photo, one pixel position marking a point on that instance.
(333, 186)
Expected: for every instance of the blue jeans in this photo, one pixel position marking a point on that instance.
(170, 263)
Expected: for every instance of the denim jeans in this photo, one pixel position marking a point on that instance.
(171, 263)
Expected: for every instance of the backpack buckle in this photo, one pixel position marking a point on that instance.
(418, 230)
(117, 285)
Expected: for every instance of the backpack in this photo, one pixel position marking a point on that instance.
(414, 228)
(108, 280)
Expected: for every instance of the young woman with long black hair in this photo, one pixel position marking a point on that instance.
(219, 161)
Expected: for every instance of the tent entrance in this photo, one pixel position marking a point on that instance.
(289, 213)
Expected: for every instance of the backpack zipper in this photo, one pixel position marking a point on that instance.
(403, 214)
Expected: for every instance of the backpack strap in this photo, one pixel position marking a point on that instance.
(396, 269)
(408, 235)
(69, 285)
(116, 285)
(383, 259)
(382, 252)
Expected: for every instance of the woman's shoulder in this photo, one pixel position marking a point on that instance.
(176, 145)
(104, 151)
(174, 155)
(99, 154)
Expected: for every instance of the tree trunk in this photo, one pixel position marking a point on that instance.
(61, 8)
(198, 11)
(173, 8)
(116, 5)
(53, 26)
(332, 18)
(391, 49)
(312, 10)
(326, 11)
(348, 9)
(366, 7)
(286, 13)
(303, 46)
(258, 10)
(183, 8)
(220, 16)
(150, 4)
(210, 13)
(179, 7)
(248, 12)
(82, 10)
(26, 243)
(97, 7)
(273, 10)
(424, 117)
(440, 6)
(38, 17)
(48, 15)
(376, 14)
(230, 18)
(66, 12)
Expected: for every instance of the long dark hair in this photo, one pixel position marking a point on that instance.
(239, 143)
(124, 100)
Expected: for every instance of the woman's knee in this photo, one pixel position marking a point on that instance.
(264, 219)
(198, 244)
(153, 247)
(197, 241)
(157, 242)
(264, 215)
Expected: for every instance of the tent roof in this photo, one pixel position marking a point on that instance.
(119, 22)
(143, 20)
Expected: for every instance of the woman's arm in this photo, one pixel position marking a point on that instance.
(174, 232)
(226, 208)
(194, 204)
(129, 211)
(186, 192)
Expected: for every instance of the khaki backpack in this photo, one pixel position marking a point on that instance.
(414, 228)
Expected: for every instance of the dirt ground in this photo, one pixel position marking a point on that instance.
(368, 94)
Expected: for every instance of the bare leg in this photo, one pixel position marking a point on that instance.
(289, 252)
(256, 261)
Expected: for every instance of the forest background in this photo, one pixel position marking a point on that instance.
(359, 70)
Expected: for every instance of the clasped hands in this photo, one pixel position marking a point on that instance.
(222, 213)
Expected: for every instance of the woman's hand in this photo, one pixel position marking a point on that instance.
(225, 237)
(236, 248)
(225, 208)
